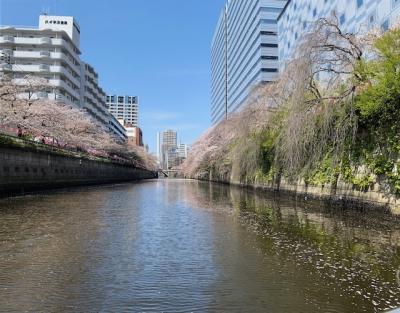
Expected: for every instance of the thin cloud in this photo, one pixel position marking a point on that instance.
(183, 127)
(160, 116)
(178, 127)
(184, 72)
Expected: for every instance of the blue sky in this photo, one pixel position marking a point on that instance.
(158, 50)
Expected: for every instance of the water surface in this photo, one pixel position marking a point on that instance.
(187, 246)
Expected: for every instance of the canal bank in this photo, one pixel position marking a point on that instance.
(28, 167)
(341, 193)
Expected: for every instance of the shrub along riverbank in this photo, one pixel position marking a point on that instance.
(331, 121)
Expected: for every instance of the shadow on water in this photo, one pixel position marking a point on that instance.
(354, 252)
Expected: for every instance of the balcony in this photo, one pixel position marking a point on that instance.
(6, 67)
(6, 52)
(45, 54)
(44, 68)
(45, 40)
(42, 95)
(62, 84)
(63, 70)
(8, 39)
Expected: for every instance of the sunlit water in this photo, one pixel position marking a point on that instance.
(187, 246)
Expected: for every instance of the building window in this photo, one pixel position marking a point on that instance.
(269, 57)
(269, 33)
(268, 21)
(385, 25)
(269, 45)
(360, 3)
(342, 19)
(269, 70)
(372, 19)
(120, 99)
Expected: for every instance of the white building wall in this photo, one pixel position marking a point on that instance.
(46, 54)
(61, 23)
(51, 51)
(183, 150)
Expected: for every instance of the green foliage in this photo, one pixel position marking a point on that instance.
(378, 103)
(324, 145)
(326, 172)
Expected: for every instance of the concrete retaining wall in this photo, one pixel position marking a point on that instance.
(26, 170)
(343, 194)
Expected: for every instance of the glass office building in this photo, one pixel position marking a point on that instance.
(244, 53)
(354, 16)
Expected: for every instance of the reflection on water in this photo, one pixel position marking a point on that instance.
(187, 246)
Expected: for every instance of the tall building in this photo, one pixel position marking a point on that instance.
(183, 150)
(244, 52)
(353, 15)
(124, 108)
(93, 101)
(52, 51)
(167, 149)
(170, 138)
(159, 148)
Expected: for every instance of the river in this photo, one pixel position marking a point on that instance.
(188, 246)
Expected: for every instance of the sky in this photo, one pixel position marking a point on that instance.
(158, 50)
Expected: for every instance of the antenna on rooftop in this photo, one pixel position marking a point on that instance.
(46, 10)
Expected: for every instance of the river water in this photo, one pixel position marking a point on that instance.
(188, 246)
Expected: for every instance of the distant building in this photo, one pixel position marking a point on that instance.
(353, 15)
(159, 147)
(52, 52)
(170, 138)
(124, 108)
(244, 53)
(183, 150)
(135, 134)
(167, 149)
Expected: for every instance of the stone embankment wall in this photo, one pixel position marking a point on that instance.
(24, 170)
(343, 193)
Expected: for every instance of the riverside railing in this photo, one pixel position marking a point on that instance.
(20, 142)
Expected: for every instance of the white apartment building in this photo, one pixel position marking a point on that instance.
(244, 52)
(124, 108)
(183, 150)
(51, 51)
(354, 16)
